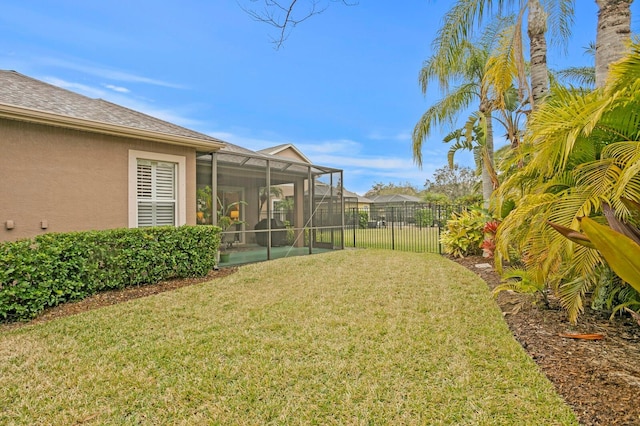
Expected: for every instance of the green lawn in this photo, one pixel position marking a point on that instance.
(398, 237)
(353, 337)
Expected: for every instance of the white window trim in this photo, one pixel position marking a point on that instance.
(181, 184)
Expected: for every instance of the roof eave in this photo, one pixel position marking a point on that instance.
(40, 117)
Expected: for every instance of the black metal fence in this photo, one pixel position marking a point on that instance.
(406, 227)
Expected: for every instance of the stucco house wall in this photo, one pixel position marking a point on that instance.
(71, 180)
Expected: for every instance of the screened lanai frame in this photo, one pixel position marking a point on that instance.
(313, 219)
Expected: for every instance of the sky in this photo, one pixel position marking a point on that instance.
(343, 88)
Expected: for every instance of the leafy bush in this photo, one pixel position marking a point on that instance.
(291, 233)
(464, 233)
(424, 217)
(363, 220)
(54, 268)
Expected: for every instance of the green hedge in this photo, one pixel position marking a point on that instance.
(55, 268)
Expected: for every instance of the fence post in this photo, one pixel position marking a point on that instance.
(393, 237)
(356, 222)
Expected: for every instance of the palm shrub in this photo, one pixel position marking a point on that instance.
(581, 150)
(619, 244)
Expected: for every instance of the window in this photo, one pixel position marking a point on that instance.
(156, 189)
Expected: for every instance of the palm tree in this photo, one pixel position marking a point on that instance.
(582, 149)
(465, 15)
(465, 67)
(613, 36)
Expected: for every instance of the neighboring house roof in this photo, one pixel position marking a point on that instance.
(395, 198)
(236, 153)
(322, 190)
(281, 151)
(27, 99)
(361, 199)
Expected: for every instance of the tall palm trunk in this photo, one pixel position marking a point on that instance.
(613, 36)
(536, 29)
(489, 179)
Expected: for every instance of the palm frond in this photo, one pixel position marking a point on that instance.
(582, 76)
(623, 75)
(444, 111)
(501, 69)
(561, 14)
(459, 23)
(572, 296)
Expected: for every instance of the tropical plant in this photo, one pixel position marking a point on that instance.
(204, 202)
(264, 195)
(224, 213)
(464, 67)
(473, 137)
(522, 281)
(464, 233)
(556, 15)
(488, 246)
(619, 243)
(582, 150)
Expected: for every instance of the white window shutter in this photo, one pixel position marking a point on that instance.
(156, 193)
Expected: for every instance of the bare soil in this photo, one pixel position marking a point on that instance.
(599, 379)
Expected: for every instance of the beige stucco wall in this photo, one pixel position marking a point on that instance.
(71, 179)
(292, 154)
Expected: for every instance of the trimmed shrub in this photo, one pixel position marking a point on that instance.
(55, 268)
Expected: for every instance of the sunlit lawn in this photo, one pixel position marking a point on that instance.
(351, 337)
(398, 237)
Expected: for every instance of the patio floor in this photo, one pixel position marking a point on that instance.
(254, 253)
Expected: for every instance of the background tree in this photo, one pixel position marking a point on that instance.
(285, 15)
(454, 182)
(391, 188)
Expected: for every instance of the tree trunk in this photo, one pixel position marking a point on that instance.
(613, 36)
(488, 171)
(537, 28)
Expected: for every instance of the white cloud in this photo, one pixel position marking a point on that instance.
(399, 136)
(339, 146)
(376, 163)
(117, 88)
(92, 92)
(110, 74)
(171, 115)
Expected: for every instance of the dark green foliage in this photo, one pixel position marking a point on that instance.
(55, 268)
(363, 221)
(424, 217)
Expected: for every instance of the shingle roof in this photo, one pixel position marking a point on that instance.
(25, 92)
(276, 150)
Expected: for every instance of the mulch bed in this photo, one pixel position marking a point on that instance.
(599, 379)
